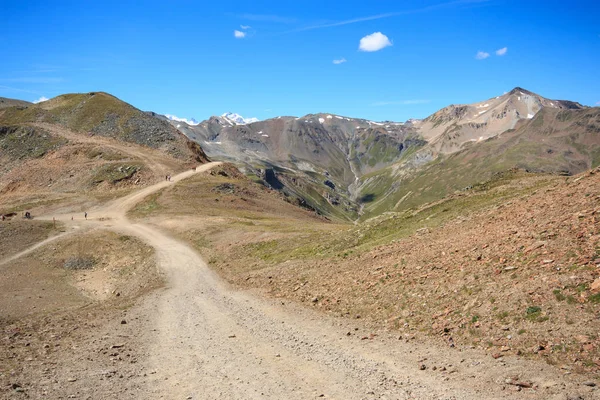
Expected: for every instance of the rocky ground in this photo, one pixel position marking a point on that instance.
(516, 277)
(448, 312)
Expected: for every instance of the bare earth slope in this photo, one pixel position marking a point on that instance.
(84, 148)
(199, 338)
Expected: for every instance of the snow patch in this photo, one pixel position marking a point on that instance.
(483, 105)
(237, 119)
(190, 121)
(329, 117)
(529, 116)
(358, 127)
(321, 120)
(178, 126)
(264, 135)
(375, 123)
(212, 142)
(260, 132)
(481, 112)
(338, 117)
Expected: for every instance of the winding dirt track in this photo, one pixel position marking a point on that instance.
(200, 339)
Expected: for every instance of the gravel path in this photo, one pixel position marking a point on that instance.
(200, 339)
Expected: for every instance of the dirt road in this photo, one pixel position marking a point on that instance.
(199, 339)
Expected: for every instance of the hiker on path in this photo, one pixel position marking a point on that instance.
(85, 215)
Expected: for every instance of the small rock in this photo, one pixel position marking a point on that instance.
(315, 299)
(589, 383)
(123, 322)
(595, 286)
(582, 338)
(422, 367)
(71, 379)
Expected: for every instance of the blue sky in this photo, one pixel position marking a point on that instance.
(184, 58)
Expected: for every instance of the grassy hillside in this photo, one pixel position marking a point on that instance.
(81, 148)
(102, 114)
(5, 103)
(562, 142)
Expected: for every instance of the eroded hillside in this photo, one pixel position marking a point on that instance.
(84, 147)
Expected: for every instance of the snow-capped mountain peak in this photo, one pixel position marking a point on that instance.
(237, 119)
(190, 121)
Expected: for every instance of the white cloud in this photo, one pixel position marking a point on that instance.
(239, 34)
(502, 51)
(41, 99)
(340, 61)
(400, 102)
(374, 42)
(245, 27)
(482, 55)
(598, 103)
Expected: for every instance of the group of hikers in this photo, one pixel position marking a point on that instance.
(27, 214)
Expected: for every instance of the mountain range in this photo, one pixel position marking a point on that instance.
(342, 167)
(350, 168)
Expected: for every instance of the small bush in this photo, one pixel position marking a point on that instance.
(533, 310)
(595, 298)
(558, 294)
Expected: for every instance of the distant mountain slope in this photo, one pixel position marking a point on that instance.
(102, 114)
(343, 166)
(556, 140)
(450, 128)
(317, 157)
(78, 147)
(5, 103)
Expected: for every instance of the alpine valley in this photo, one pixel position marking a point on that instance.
(350, 169)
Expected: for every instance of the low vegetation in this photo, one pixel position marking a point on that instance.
(488, 267)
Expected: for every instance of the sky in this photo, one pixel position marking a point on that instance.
(379, 60)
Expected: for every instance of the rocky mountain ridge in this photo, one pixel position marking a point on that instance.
(347, 168)
(335, 163)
